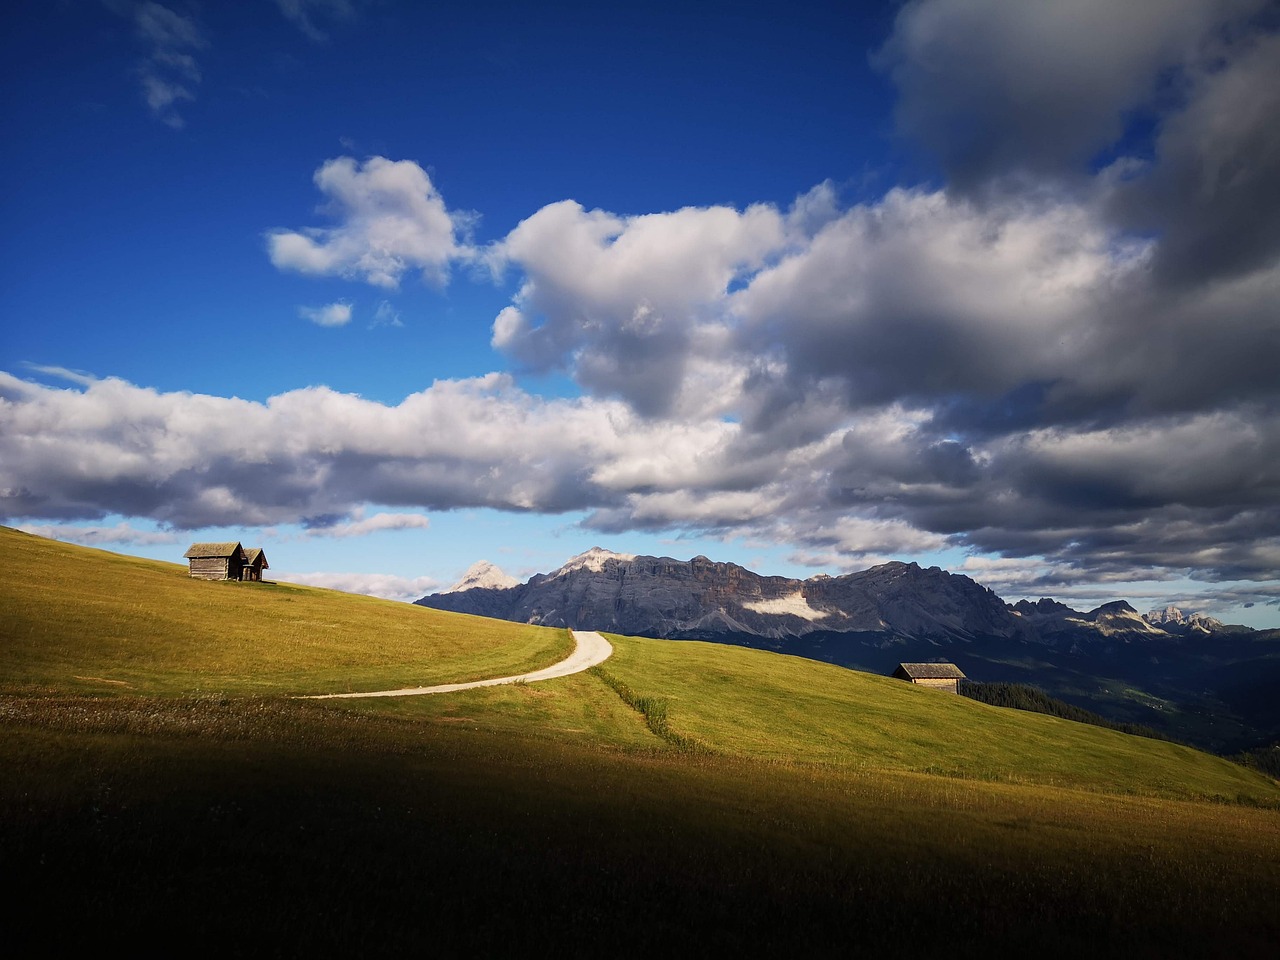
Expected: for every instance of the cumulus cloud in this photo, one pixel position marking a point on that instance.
(998, 90)
(361, 526)
(194, 460)
(391, 220)
(1193, 495)
(1182, 98)
(622, 300)
(169, 73)
(123, 533)
(384, 585)
(332, 315)
(1009, 377)
(922, 295)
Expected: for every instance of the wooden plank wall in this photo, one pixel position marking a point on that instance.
(949, 685)
(209, 568)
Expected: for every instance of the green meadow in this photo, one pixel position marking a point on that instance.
(163, 785)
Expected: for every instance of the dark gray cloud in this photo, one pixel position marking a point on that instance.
(1213, 188)
(1025, 91)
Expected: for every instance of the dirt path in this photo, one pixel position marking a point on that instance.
(590, 648)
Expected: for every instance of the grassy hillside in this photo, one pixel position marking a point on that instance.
(767, 706)
(714, 700)
(75, 619)
(683, 798)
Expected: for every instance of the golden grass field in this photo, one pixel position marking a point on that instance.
(83, 620)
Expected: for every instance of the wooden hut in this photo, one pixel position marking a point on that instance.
(217, 561)
(939, 676)
(255, 563)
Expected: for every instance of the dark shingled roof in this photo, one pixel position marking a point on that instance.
(214, 550)
(252, 554)
(931, 671)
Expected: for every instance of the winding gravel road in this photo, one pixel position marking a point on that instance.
(590, 648)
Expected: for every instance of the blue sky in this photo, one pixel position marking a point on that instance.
(388, 288)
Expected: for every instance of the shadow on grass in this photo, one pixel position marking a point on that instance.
(258, 828)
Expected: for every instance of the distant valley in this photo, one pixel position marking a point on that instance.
(1183, 674)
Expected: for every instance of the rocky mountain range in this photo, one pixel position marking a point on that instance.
(703, 599)
(1183, 673)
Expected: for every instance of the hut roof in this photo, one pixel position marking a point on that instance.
(931, 671)
(252, 554)
(214, 550)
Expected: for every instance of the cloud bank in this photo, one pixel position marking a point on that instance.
(385, 585)
(1064, 359)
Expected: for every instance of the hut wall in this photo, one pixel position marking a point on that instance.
(210, 568)
(936, 684)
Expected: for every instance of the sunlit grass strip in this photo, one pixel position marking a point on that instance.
(654, 711)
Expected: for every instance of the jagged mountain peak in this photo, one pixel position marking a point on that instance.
(593, 560)
(1175, 618)
(1169, 614)
(1117, 607)
(1119, 617)
(1044, 607)
(483, 575)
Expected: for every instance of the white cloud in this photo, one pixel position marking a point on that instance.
(62, 373)
(121, 533)
(169, 72)
(1192, 495)
(922, 294)
(391, 220)
(919, 294)
(386, 315)
(620, 301)
(855, 536)
(195, 460)
(361, 526)
(333, 315)
(385, 585)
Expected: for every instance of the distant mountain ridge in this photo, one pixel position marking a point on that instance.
(702, 599)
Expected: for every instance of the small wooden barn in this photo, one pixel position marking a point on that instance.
(255, 562)
(939, 676)
(217, 561)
